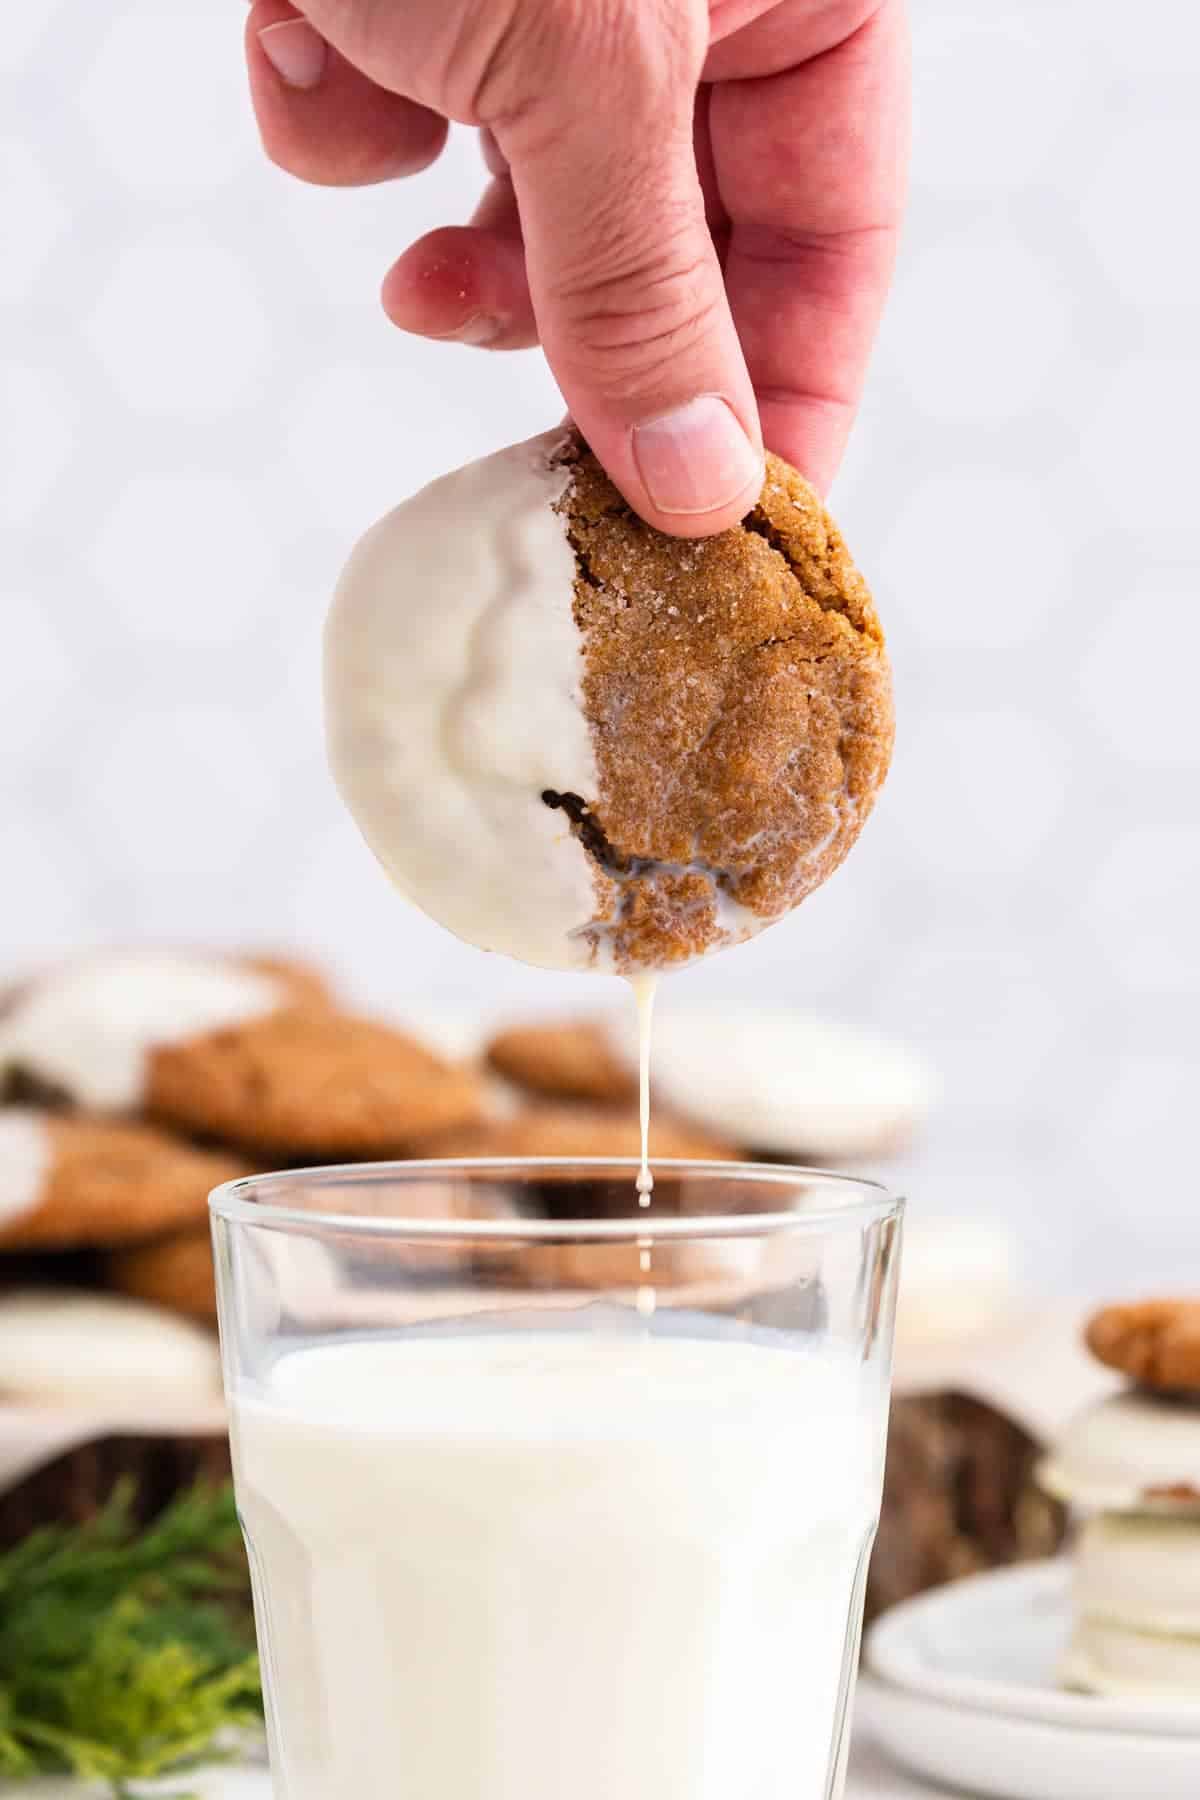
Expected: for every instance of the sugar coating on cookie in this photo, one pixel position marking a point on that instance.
(84, 1032)
(571, 738)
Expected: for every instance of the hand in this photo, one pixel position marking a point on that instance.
(693, 206)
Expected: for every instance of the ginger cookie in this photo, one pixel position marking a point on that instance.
(174, 1272)
(82, 1034)
(68, 1183)
(569, 1131)
(309, 1082)
(177, 1272)
(571, 738)
(782, 1082)
(575, 1059)
(1155, 1342)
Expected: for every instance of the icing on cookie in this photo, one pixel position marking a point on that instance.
(89, 1350)
(783, 1081)
(452, 697)
(89, 1027)
(25, 1158)
(1128, 1452)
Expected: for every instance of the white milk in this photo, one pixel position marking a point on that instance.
(533, 1567)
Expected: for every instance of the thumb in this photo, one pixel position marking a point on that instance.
(628, 293)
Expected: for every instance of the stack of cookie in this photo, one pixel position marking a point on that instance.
(134, 1083)
(1131, 1464)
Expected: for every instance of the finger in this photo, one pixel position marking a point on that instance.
(321, 119)
(467, 283)
(752, 38)
(493, 156)
(811, 166)
(626, 284)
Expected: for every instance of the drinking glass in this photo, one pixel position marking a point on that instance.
(548, 1492)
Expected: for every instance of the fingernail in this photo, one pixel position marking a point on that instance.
(697, 458)
(480, 328)
(295, 51)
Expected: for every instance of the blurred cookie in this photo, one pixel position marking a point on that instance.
(310, 1082)
(83, 1034)
(175, 1273)
(1155, 1342)
(959, 1496)
(576, 1059)
(563, 1131)
(787, 1083)
(1129, 1452)
(69, 1183)
(99, 1350)
(781, 1082)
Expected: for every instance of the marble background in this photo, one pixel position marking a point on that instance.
(202, 405)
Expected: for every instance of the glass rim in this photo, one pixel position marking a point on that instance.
(232, 1203)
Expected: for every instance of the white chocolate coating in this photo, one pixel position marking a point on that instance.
(783, 1081)
(1104, 1658)
(1116, 1454)
(1143, 1573)
(89, 1026)
(452, 701)
(25, 1158)
(81, 1350)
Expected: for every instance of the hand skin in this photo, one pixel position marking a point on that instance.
(693, 207)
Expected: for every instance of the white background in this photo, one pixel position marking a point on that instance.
(203, 405)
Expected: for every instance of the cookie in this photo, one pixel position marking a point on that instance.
(958, 1497)
(623, 1268)
(576, 1059)
(99, 1350)
(782, 1082)
(1130, 1452)
(1105, 1658)
(567, 1131)
(1155, 1342)
(82, 1034)
(1142, 1573)
(70, 1183)
(309, 1082)
(177, 1272)
(574, 739)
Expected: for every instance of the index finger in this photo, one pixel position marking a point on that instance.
(811, 166)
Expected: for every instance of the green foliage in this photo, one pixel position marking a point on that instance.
(127, 1654)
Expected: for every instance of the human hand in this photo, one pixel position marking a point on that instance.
(693, 205)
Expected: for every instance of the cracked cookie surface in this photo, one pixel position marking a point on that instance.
(739, 699)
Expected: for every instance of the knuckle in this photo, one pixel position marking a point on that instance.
(630, 321)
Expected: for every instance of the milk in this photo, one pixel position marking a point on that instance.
(557, 1567)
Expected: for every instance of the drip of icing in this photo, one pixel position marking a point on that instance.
(644, 986)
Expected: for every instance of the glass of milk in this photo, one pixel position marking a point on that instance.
(549, 1493)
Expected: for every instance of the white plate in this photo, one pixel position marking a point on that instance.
(1006, 1758)
(993, 1644)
